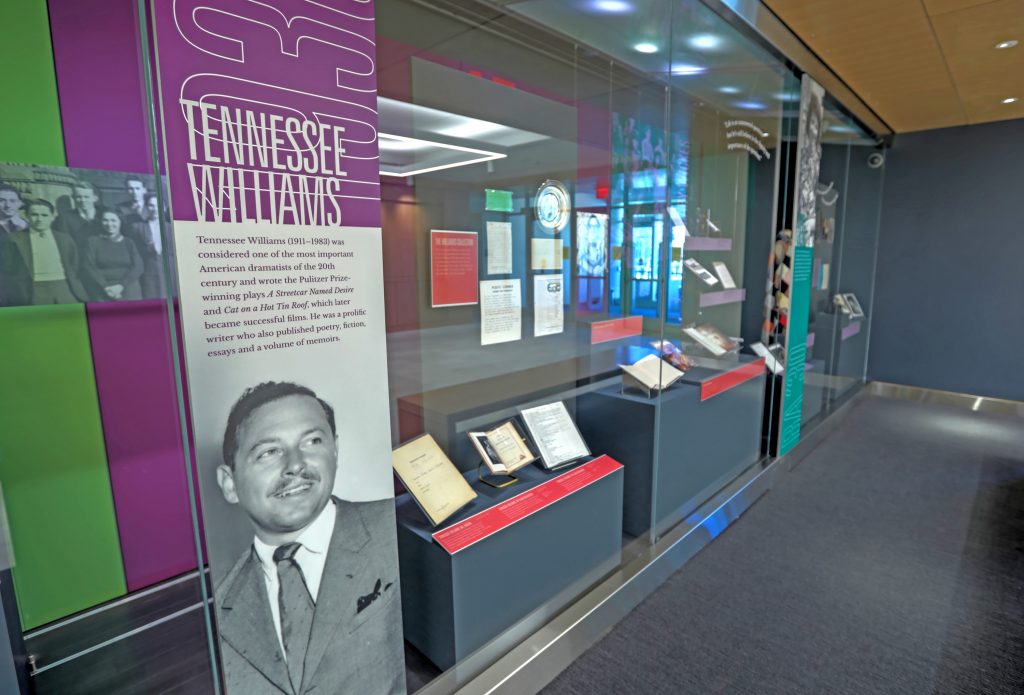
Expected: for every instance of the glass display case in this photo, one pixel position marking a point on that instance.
(513, 268)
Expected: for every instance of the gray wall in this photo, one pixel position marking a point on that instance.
(949, 304)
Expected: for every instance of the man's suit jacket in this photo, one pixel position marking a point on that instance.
(16, 267)
(355, 644)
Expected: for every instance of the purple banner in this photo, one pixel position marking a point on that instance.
(270, 111)
(139, 404)
(722, 297)
(708, 243)
(99, 78)
(851, 330)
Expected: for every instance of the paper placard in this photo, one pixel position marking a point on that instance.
(453, 268)
(548, 305)
(545, 254)
(499, 248)
(556, 435)
(501, 311)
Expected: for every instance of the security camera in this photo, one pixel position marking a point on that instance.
(876, 160)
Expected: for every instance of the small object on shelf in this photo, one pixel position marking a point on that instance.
(503, 449)
(711, 339)
(700, 271)
(673, 355)
(649, 375)
(432, 480)
(724, 275)
(773, 363)
(840, 301)
(856, 312)
(557, 438)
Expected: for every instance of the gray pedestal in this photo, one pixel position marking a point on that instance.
(701, 446)
(454, 604)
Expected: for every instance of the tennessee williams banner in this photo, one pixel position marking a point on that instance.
(808, 166)
(269, 118)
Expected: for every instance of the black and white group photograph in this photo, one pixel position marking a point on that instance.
(79, 235)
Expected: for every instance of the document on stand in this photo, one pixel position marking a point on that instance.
(555, 434)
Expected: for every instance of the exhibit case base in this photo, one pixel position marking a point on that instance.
(710, 431)
(506, 555)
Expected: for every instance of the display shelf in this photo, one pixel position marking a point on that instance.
(703, 445)
(718, 375)
(708, 299)
(446, 412)
(708, 243)
(454, 603)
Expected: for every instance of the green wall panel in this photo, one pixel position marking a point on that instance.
(53, 465)
(30, 129)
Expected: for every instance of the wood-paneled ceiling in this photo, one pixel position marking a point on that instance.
(919, 64)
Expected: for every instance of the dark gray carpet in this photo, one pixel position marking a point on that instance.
(890, 561)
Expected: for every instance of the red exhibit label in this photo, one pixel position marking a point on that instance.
(500, 516)
(603, 331)
(723, 382)
(453, 268)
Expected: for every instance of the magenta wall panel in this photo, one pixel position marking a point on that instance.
(131, 347)
(99, 78)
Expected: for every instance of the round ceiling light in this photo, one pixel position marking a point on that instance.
(1006, 44)
(646, 48)
(1010, 100)
(729, 89)
(704, 42)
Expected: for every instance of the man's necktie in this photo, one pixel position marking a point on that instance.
(296, 606)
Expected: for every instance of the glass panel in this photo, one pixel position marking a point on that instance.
(108, 575)
(725, 117)
(842, 283)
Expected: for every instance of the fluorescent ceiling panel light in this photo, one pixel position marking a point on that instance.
(481, 155)
(471, 128)
(1006, 44)
(729, 89)
(646, 48)
(705, 42)
(684, 69)
(750, 105)
(1010, 100)
(611, 6)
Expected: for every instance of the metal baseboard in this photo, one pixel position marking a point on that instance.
(536, 661)
(965, 401)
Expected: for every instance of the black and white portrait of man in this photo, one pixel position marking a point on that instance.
(312, 604)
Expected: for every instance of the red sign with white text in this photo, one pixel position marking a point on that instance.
(727, 380)
(613, 329)
(453, 268)
(483, 524)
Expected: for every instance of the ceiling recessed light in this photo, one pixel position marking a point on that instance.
(729, 89)
(1006, 44)
(1010, 100)
(704, 42)
(612, 6)
(684, 69)
(646, 48)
